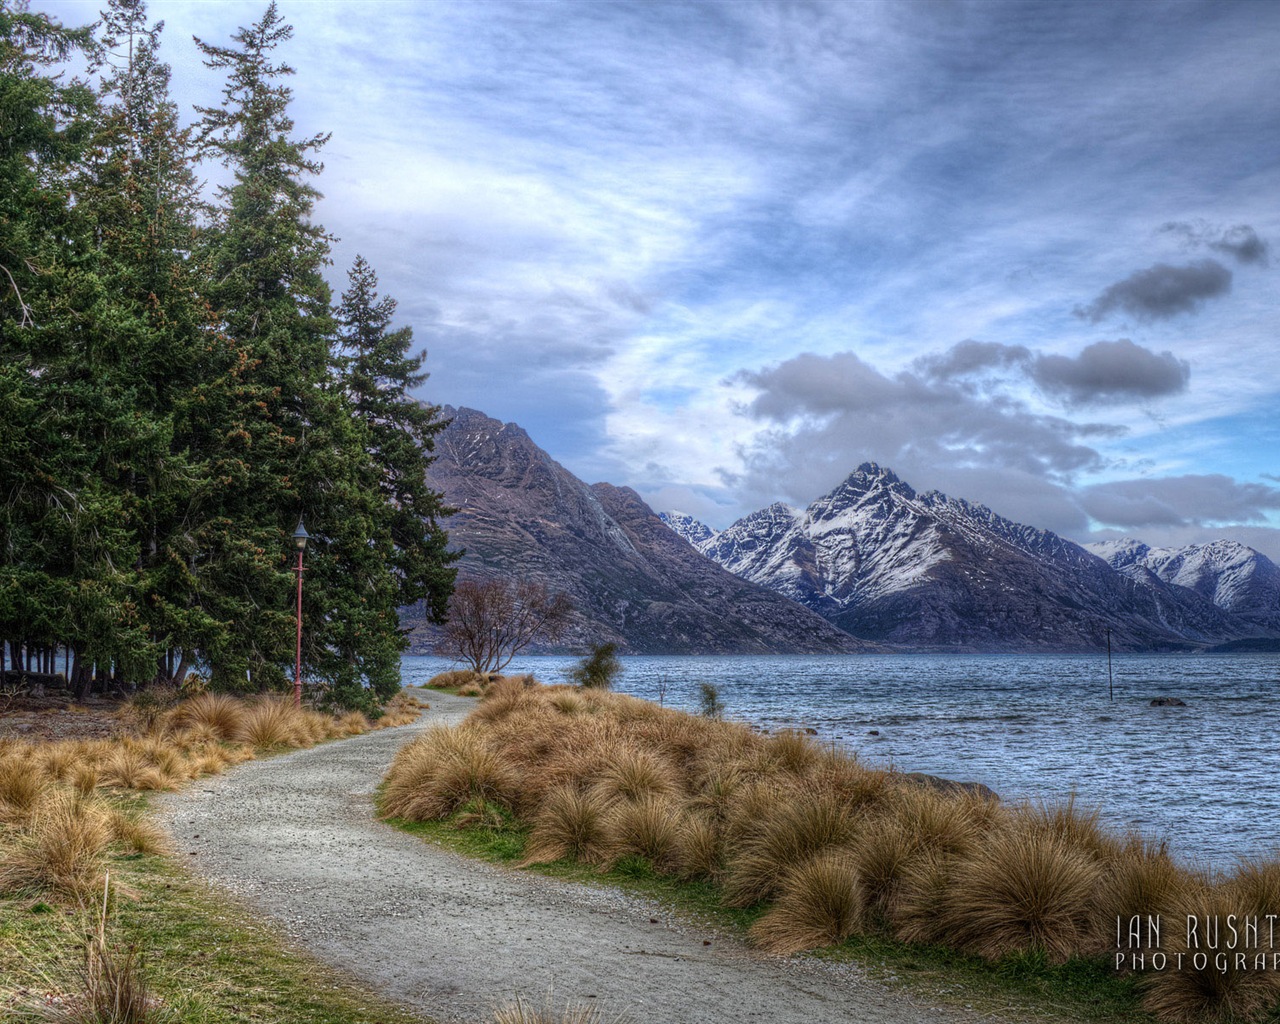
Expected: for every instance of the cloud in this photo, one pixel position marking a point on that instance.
(968, 358)
(1106, 372)
(823, 415)
(1240, 241)
(1190, 500)
(1161, 291)
(1111, 371)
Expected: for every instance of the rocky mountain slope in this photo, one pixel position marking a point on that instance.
(1243, 582)
(924, 570)
(632, 581)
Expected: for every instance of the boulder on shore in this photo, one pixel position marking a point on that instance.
(948, 786)
(1168, 702)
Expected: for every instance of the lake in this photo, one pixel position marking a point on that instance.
(1035, 726)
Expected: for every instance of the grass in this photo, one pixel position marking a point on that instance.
(161, 949)
(204, 961)
(813, 849)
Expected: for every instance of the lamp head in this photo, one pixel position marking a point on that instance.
(300, 536)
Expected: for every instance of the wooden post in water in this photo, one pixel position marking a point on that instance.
(1111, 689)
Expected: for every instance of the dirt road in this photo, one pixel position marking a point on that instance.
(295, 836)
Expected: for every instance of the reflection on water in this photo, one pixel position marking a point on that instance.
(1203, 776)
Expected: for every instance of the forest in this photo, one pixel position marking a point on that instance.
(180, 386)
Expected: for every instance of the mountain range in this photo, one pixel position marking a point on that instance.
(924, 570)
(521, 515)
(872, 565)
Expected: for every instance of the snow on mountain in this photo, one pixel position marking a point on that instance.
(693, 530)
(887, 563)
(1236, 578)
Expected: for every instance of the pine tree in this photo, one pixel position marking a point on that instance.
(379, 374)
(141, 196)
(63, 571)
(265, 259)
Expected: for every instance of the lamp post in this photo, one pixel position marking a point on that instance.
(300, 537)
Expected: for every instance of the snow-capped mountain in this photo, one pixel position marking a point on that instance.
(695, 532)
(521, 515)
(888, 564)
(1241, 581)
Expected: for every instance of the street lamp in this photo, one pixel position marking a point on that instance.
(300, 537)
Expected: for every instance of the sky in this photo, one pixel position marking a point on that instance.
(723, 253)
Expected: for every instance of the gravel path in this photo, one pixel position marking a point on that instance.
(296, 837)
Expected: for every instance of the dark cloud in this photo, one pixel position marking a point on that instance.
(1240, 241)
(973, 357)
(1111, 371)
(1243, 243)
(1161, 291)
(1191, 500)
(828, 413)
(1104, 372)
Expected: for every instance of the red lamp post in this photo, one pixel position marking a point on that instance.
(300, 537)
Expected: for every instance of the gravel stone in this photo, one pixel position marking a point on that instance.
(295, 837)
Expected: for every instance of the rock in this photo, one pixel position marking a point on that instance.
(810, 731)
(941, 785)
(873, 732)
(1168, 702)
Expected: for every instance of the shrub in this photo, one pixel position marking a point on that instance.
(569, 824)
(820, 905)
(443, 769)
(1023, 889)
(599, 669)
(709, 703)
(223, 715)
(793, 827)
(633, 773)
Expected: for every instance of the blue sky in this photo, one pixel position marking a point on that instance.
(725, 252)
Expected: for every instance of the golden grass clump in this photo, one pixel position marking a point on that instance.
(569, 824)
(456, 677)
(61, 850)
(651, 827)
(1023, 889)
(634, 773)
(791, 828)
(21, 787)
(129, 767)
(1140, 879)
(819, 905)
(223, 715)
(136, 833)
(1210, 983)
(444, 768)
(274, 722)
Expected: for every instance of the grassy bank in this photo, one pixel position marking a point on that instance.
(801, 847)
(73, 815)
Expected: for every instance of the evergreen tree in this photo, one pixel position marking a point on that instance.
(141, 196)
(265, 259)
(378, 374)
(63, 568)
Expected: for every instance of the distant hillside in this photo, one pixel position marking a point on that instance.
(632, 581)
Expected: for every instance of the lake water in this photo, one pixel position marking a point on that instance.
(1038, 726)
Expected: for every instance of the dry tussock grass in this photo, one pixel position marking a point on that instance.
(820, 905)
(443, 769)
(58, 830)
(829, 845)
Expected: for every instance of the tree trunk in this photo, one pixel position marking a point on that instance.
(81, 679)
(180, 676)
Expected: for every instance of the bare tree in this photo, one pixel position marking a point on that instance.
(491, 621)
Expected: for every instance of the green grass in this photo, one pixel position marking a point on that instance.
(1027, 986)
(209, 963)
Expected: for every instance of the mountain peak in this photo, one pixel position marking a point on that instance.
(871, 476)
